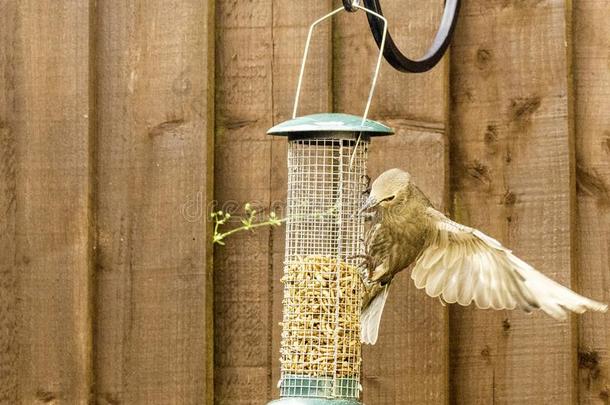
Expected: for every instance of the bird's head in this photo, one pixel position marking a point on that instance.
(385, 188)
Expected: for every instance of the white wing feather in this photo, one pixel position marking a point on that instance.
(463, 265)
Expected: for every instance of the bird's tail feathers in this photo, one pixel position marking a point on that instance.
(371, 317)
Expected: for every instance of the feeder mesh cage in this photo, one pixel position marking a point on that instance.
(320, 346)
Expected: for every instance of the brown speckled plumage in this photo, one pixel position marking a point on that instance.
(448, 260)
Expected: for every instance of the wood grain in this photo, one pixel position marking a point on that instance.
(409, 363)
(512, 177)
(154, 68)
(45, 163)
(107, 145)
(242, 272)
(291, 22)
(9, 349)
(592, 118)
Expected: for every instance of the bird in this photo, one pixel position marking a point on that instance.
(451, 261)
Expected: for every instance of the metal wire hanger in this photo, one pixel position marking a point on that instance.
(355, 4)
(390, 50)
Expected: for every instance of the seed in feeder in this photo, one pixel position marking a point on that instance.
(319, 319)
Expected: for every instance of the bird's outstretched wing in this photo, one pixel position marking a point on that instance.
(462, 265)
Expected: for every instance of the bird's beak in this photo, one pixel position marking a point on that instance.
(368, 204)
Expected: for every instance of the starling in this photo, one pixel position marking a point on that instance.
(449, 260)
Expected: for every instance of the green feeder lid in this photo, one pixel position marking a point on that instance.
(330, 122)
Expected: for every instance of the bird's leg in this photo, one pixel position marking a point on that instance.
(368, 216)
(365, 266)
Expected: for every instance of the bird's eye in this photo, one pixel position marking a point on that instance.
(388, 199)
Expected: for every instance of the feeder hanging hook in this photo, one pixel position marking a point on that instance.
(351, 5)
(391, 52)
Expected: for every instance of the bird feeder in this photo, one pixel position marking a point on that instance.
(323, 288)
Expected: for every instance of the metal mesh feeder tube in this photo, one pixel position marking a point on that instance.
(323, 289)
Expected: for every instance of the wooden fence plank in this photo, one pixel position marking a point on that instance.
(592, 118)
(242, 304)
(291, 21)
(409, 363)
(9, 357)
(45, 245)
(512, 173)
(152, 330)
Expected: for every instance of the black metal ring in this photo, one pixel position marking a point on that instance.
(396, 58)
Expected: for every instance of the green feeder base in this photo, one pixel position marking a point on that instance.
(314, 401)
(305, 390)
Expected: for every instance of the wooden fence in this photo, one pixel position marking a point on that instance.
(121, 121)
